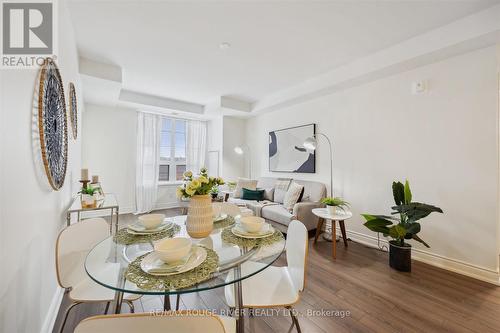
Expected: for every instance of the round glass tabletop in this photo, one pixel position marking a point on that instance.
(108, 261)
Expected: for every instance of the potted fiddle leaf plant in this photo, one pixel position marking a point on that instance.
(335, 205)
(402, 225)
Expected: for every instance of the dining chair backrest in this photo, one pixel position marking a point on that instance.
(175, 322)
(73, 244)
(227, 208)
(296, 253)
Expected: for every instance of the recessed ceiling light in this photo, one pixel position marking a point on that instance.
(224, 45)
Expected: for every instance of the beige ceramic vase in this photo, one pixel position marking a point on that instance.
(199, 222)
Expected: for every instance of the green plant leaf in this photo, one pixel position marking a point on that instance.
(397, 231)
(418, 239)
(415, 211)
(412, 228)
(407, 192)
(398, 193)
(378, 225)
(369, 217)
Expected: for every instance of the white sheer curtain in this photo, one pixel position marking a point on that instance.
(148, 155)
(196, 145)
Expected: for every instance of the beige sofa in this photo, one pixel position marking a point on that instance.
(276, 214)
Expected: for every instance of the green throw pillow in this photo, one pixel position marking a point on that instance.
(252, 194)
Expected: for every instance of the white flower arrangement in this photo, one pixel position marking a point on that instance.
(200, 185)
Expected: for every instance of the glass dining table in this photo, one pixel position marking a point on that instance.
(108, 263)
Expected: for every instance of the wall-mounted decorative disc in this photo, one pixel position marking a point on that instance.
(52, 124)
(73, 110)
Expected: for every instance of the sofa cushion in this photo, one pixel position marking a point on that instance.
(280, 189)
(277, 213)
(248, 194)
(244, 183)
(269, 194)
(313, 191)
(292, 195)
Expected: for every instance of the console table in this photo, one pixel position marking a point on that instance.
(109, 202)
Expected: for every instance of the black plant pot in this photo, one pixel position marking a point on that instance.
(400, 257)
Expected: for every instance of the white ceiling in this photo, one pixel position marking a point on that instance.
(171, 48)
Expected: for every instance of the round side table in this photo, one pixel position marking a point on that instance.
(323, 215)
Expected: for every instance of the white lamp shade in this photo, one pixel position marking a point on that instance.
(310, 143)
(238, 150)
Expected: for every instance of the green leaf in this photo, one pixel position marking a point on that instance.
(407, 192)
(398, 193)
(369, 217)
(413, 228)
(378, 225)
(418, 239)
(397, 231)
(416, 210)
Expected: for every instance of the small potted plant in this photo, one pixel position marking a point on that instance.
(88, 198)
(335, 205)
(401, 225)
(231, 186)
(214, 192)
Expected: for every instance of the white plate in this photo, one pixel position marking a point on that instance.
(137, 228)
(220, 217)
(152, 264)
(266, 231)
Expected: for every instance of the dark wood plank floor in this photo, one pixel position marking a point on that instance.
(356, 293)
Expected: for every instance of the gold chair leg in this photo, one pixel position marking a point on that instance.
(294, 319)
(178, 302)
(66, 315)
(131, 306)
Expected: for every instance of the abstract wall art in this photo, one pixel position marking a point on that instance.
(286, 150)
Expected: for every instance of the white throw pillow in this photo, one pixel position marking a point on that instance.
(244, 183)
(269, 194)
(280, 189)
(292, 195)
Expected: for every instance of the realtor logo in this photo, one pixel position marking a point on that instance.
(27, 30)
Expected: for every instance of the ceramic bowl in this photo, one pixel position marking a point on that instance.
(151, 221)
(252, 223)
(171, 250)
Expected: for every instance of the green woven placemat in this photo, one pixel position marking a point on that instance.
(146, 281)
(229, 220)
(123, 237)
(228, 237)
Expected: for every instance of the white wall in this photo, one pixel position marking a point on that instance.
(31, 215)
(109, 150)
(233, 165)
(445, 142)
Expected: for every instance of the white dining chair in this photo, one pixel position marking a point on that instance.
(173, 321)
(73, 244)
(227, 208)
(276, 286)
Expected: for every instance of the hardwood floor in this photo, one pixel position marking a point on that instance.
(358, 293)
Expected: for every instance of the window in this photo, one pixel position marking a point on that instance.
(172, 150)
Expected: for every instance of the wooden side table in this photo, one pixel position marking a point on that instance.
(323, 215)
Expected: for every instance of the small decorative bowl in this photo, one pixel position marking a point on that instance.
(252, 223)
(171, 250)
(151, 221)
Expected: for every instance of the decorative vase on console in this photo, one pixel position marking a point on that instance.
(199, 223)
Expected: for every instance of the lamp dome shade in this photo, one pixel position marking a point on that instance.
(310, 143)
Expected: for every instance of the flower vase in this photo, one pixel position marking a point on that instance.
(199, 222)
(332, 210)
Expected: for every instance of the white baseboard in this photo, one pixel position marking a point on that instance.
(51, 316)
(454, 265)
(166, 205)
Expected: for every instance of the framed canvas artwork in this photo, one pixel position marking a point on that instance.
(286, 150)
